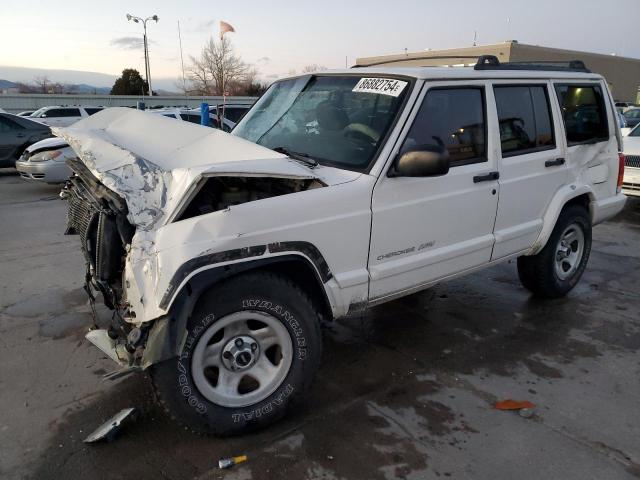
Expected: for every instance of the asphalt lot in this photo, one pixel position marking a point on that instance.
(405, 392)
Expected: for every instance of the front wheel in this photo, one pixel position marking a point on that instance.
(557, 268)
(253, 346)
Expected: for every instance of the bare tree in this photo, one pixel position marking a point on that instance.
(26, 88)
(217, 70)
(42, 83)
(314, 67)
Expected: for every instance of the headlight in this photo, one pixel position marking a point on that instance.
(46, 156)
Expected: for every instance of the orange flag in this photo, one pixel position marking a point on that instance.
(224, 28)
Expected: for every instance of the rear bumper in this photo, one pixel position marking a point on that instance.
(43, 172)
(606, 208)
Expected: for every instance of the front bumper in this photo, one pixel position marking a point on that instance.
(43, 172)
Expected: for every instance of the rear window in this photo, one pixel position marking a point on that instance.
(585, 116)
(91, 111)
(525, 119)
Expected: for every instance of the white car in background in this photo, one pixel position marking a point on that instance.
(631, 148)
(44, 161)
(62, 116)
(192, 115)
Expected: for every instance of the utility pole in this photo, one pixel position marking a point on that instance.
(184, 82)
(147, 67)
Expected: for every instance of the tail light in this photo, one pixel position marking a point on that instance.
(620, 171)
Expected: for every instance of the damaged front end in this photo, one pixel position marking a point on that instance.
(99, 217)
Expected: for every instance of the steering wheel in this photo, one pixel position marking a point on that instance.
(361, 132)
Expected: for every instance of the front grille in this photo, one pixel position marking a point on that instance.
(631, 187)
(632, 161)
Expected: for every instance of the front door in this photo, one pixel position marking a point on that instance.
(428, 228)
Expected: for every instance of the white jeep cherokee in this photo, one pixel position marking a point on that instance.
(221, 253)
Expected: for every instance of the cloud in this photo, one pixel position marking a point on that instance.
(128, 43)
(206, 26)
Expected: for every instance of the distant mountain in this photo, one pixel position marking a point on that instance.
(73, 77)
(7, 84)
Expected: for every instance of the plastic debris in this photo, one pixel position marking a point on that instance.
(510, 404)
(526, 412)
(110, 428)
(230, 462)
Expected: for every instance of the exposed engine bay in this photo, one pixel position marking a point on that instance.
(221, 192)
(99, 217)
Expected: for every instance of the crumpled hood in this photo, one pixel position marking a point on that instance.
(151, 161)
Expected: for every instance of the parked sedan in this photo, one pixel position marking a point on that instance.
(631, 149)
(16, 134)
(45, 161)
(632, 116)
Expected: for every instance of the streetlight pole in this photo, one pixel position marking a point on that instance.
(147, 66)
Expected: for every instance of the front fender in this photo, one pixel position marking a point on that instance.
(169, 332)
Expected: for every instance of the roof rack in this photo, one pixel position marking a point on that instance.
(491, 62)
(422, 57)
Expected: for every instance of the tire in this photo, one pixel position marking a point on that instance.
(557, 268)
(260, 309)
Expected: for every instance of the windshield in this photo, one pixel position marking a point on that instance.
(337, 120)
(39, 112)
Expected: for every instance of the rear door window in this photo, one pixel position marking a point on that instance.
(91, 111)
(524, 118)
(452, 118)
(7, 125)
(584, 112)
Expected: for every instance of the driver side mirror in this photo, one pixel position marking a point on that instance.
(421, 161)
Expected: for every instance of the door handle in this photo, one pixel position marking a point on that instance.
(554, 163)
(20, 135)
(487, 177)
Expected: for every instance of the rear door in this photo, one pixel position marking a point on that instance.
(532, 163)
(12, 136)
(426, 228)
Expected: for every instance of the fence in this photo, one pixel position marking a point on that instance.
(20, 102)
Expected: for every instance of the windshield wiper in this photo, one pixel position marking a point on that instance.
(301, 157)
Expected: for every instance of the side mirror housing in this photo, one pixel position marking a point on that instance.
(421, 161)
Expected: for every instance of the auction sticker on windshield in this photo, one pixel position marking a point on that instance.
(383, 86)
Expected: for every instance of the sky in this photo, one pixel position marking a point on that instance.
(279, 37)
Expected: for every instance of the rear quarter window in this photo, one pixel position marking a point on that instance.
(584, 113)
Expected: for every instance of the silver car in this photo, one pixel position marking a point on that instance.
(44, 161)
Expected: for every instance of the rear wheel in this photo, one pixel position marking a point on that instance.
(253, 346)
(557, 268)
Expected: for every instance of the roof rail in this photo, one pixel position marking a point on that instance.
(421, 57)
(491, 62)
